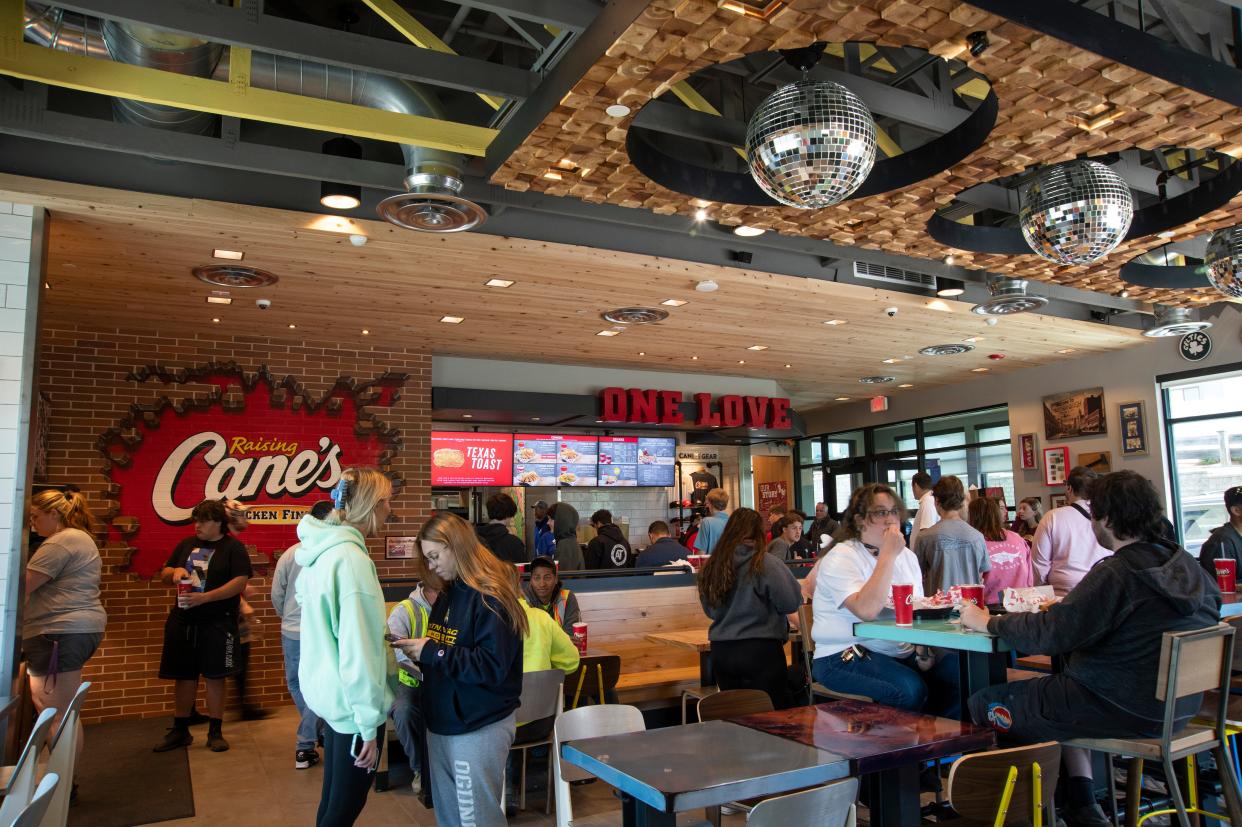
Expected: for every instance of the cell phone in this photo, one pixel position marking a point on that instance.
(390, 637)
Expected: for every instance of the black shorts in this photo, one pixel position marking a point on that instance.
(207, 648)
(1054, 708)
(72, 650)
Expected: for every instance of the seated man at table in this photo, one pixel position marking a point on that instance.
(854, 584)
(544, 592)
(1110, 629)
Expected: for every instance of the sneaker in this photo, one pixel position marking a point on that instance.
(176, 737)
(304, 759)
(1091, 815)
(253, 713)
(416, 786)
(216, 742)
(197, 717)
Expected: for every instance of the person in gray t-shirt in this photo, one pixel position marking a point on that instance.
(950, 553)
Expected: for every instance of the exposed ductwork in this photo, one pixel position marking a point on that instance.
(433, 178)
(1174, 321)
(1008, 296)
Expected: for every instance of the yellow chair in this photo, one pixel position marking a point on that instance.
(1005, 786)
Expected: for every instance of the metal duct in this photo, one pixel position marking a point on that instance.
(433, 177)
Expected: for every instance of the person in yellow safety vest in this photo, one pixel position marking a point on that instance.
(544, 592)
(409, 620)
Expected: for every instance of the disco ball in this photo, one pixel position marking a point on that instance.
(1076, 212)
(811, 144)
(1224, 261)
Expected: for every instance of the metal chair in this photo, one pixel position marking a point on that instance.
(17, 783)
(828, 806)
(63, 757)
(806, 619)
(1190, 663)
(1006, 786)
(587, 722)
(542, 699)
(698, 693)
(729, 703)
(35, 813)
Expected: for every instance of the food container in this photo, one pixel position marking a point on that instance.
(903, 603)
(1226, 574)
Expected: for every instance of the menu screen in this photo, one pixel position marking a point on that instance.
(637, 460)
(556, 460)
(461, 458)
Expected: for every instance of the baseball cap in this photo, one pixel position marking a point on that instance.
(1233, 496)
(540, 504)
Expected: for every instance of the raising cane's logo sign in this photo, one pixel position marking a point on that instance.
(253, 439)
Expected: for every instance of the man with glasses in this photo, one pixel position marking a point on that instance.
(1225, 543)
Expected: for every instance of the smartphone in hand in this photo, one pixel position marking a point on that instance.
(390, 637)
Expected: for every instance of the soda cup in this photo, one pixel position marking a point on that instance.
(903, 603)
(580, 638)
(184, 587)
(1226, 574)
(972, 593)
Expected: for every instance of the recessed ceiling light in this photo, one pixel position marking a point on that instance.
(608, 333)
(366, 332)
(452, 319)
(707, 286)
(292, 326)
(1125, 294)
(694, 358)
(843, 399)
(231, 255)
(741, 361)
(642, 353)
(216, 321)
(789, 366)
(535, 418)
(47, 286)
(673, 303)
(835, 322)
(746, 231)
(700, 215)
(973, 339)
(978, 370)
(219, 300)
(1165, 234)
(617, 110)
(757, 347)
(498, 283)
(905, 385)
(1066, 350)
(467, 416)
(340, 201)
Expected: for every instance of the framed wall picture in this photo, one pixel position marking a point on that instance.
(1077, 413)
(399, 548)
(1057, 500)
(1056, 465)
(1133, 418)
(1101, 462)
(1028, 451)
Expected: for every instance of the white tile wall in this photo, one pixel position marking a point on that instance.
(639, 506)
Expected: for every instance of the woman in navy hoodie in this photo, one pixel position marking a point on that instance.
(471, 662)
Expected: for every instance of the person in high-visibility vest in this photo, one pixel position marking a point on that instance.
(409, 620)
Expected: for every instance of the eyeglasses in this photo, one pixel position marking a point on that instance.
(882, 513)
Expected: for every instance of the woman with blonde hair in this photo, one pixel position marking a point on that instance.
(64, 619)
(471, 660)
(346, 672)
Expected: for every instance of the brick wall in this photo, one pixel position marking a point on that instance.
(83, 372)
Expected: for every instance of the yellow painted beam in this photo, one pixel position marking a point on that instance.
(239, 69)
(886, 143)
(418, 34)
(693, 100)
(105, 77)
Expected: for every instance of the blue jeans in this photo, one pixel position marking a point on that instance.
(895, 681)
(308, 726)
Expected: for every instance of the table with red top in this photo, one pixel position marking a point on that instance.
(885, 747)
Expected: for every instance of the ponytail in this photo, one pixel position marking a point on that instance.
(70, 505)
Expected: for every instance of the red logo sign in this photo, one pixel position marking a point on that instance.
(274, 449)
(664, 408)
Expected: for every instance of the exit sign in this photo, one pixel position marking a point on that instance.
(879, 404)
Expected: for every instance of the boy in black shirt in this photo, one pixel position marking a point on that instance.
(200, 635)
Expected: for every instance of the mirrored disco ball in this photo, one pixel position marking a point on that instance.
(1224, 261)
(811, 144)
(1076, 212)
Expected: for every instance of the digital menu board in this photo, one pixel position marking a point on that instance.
(463, 458)
(637, 460)
(555, 460)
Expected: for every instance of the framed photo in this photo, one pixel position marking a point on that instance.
(1028, 451)
(399, 548)
(1057, 500)
(1101, 462)
(1077, 413)
(1133, 418)
(1056, 466)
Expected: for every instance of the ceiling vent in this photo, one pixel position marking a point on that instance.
(1009, 296)
(1174, 321)
(234, 275)
(946, 350)
(894, 275)
(876, 380)
(635, 315)
(432, 205)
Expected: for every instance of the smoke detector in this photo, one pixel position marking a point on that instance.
(876, 380)
(234, 275)
(1009, 296)
(432, 205)
(946, 350)
(1174, 321)
(635, 315)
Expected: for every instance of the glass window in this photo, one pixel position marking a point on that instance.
(972, 424)
(810, 485)
(943, 463)
(1203, 397)
(810, 451)
(996, 471)
(993, 433)
(845, 445)
(1207, 459)
(843, 484)
(944, 439)
(892, 438)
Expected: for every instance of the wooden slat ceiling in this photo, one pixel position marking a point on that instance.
(1041, 84)
(123, 259)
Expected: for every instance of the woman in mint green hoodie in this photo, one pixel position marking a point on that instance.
(346, 672)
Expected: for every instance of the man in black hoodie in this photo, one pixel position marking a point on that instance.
(608, 549)
(1110, 629)
(501, 509)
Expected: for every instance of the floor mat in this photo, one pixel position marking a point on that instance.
(122, 783)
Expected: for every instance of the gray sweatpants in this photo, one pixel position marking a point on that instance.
(468, 774)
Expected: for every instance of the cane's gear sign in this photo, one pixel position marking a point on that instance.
(266, 443)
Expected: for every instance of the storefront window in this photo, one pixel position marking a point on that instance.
(845, 445)
(811, 487)
(810, 451)
(892, 438)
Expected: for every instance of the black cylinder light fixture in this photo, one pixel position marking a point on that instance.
(948, 288)
(334, 195)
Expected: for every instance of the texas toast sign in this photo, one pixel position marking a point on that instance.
(252, 439)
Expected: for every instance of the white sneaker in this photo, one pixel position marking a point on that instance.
(416, 786)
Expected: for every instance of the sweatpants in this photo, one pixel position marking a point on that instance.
(468, 773)
(345, 786)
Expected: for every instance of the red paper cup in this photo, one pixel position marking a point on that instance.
(972, 593)
(697, 561)
(1227, 575)
(903, 603)
(580, 637)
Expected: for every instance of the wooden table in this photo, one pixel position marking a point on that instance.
(662, 772)
(984, 657)
(884, 745)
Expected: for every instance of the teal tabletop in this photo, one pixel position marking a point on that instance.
(932, 633)
(1230, 604)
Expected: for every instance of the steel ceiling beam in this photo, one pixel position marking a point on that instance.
(565, 14)
(289, 38)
